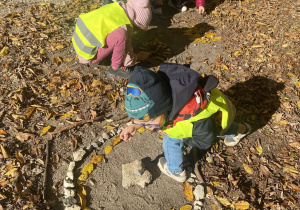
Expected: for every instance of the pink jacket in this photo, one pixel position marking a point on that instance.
(200, 3)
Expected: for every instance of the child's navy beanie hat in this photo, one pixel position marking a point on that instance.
(147, 95)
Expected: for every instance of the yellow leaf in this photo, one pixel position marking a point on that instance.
(242, 205)
(59, 46)
(236, 53)
(297, 84)
(4, 51)
(224, 67)
(186, 207)
(209, 34)
(288, 168)
(82, 178)
(29, 112)
(10, 171)
(65, 93)
(116, 140)
(141, 130)
(16, 116)
(108, 149)
(57, 61)
(2, 197)
(224, 201)
(259, 150)
(188, 191)
(109, 127)
(41, 24)
(97, 159)
(88, 168)
(45, 130)
(20, 158)
(82, 195)
(216, 39)
(298, 103)
(42, 51)
(66, 115)
(248, 169)
(4, 152)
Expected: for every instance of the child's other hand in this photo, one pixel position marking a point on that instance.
(142, 55)
(201, 10)
(128, 133)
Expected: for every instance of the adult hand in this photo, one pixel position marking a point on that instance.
(142, 55)
(128, 132)
(201, 10)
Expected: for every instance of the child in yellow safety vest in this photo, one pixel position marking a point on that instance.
(185, 107)
(108, 30)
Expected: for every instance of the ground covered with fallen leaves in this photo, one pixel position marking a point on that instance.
(50, 106)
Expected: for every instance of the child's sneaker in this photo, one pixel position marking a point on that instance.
(119, 73)
(162, 165)
(178, 5)
(234, 140)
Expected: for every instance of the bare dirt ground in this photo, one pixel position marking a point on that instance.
(252, 46)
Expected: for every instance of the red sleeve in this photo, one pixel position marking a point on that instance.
(200, 3)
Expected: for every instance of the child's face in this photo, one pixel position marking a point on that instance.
(152, 123)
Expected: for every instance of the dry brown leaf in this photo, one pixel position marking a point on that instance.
(188, 191)
(264, 171)
(55, 158)
(20, 157)
(291, 169)
(4, 152)
(57, 61)
(65, 93)
(97, 159)
(29, 112)
(24, 136)
(295, 145)
(2, 132)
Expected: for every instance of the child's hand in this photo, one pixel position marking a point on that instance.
(201, 10)
(129, 132)
(142, 55)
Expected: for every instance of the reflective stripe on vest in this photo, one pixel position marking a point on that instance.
(218, 102)
(92, 28)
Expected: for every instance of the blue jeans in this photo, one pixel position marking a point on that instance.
(173, 149)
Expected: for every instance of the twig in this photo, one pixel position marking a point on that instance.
(46, 169)
(201, 180)
(75, 125)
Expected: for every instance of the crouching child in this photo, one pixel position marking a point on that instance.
(185, 107)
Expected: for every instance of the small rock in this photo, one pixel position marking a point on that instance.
(113, 132)
(95, 144)
(71, 166)
(69, 192)
(101, 140)
(92, 183)
(70, 175)
(68, 183)
(89, 147)
(105, 136)
(74, 207)
(78, 155)
(131, 177)
(37, 171)
(199, 192)
(190, 180)
(69, 201)
(138, 167)
(198, 205)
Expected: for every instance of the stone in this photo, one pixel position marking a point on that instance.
(70, 175)
(95, 144)
(68, 183)
(69, 201)
(199, 192)
(113, 132)
(197, 205)
(134, 173)
(190, 180)
(74, 207)
(78, 154)
(69, 192)
(105, 136)
(71, 166)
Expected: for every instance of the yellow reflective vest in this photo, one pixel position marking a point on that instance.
(218, 102)
(92, 28)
